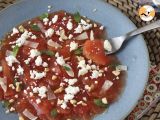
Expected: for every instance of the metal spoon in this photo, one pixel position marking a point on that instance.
(117, 42)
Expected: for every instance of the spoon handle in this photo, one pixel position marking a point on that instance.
(144, 29)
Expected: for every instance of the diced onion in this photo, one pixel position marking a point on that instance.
(3, 83)
(50, 95)
(29, 115)
(121, 67)
(82, 36)
(53, 44)
(8, 53)
(69, 72)
(31, 44)
(107, 84)
(41, 27)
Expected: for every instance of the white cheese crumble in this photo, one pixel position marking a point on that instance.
(79, 29)
(38, 101)
(71, 81)
(91, 35)
(107, 45)
(116, 72)
(34, 53)
(72, 90)
(45, 64)
(95, 74)
(60, 60)
(70, 36)
(69, 25)
(21, 40)
(20, 70)
(27, 61)
(33, 37)
(54, 19)
(104, 101)
(42, 91)
(36, 75)
(38, 61)
(45, 20)
(73, 46)
(11, 59)
(64, 105)
(14, 31)
(1, 69)
(49, 32)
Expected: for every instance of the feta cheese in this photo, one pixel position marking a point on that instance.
(95, 74)
(45, 64)
(116, 72)
(38, 101)
(11, 59)
(33, 37)
(87, 87)
(45, 20)
(69, 25)
(79, 29)
(42, 91)
(49, 32)
(14, 31)
(68, 97)
(72, 90)
(21, 40)
(82, 71)
(91, 35)
(27, 61)
(64, 105)
(37, 75)
(71, 81)
(107, 45)
(60, 60)
(1, 69)
(73, 46)
(54, 19)
(104, 101)
(38, 61)
(34, 53)
(20, 70)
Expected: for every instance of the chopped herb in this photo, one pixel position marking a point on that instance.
(5, 104)
(78, 51)
(67, 68)
(15, 50)
(113, 65)
(77, 17)
(47, 52)
(35, 27)
(99, 103)
(44, 15)
(54, 113)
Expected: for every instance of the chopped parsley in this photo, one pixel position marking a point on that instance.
(47, 52)
(67, 68)
(113, 65)
(78, 51)
(35, 27)
(54, 112)
(5, 104)
(15, 50)
(77, 17)
(99, 103)
(44, 15)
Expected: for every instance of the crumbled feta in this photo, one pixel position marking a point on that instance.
(20, 70)
(33, 37)
(95, 74)
(34, 53)
(27, 61)
(21, 40)
(42, 91)
(38, 61)
(14, 31)
(49, 32)
(54, 19)
(38, 101)
(35, 90)
(107, 45)
(116, 72)
(11, 59)
(104, 101)
(60, 60)
(45, 64)
(73, 46)
(70, 36)
(37, 75)
(79, 29)
(69, 25)
(87, 87)
(45, 20)
(68, 97)
(64, 105)
(71, 81)
(72, 90)
(91, 35)
(82, 71)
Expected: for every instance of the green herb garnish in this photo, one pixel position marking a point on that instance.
(99, 103)
(78, 51)
(54, 113)
(44, 15)
(77, 17)
(35, 27)
(47, 52)
(67, 68)
(113, 65)
(5, 104)
(15, 50)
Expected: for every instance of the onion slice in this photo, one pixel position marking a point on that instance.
(31, 44)
(82, 36)
(41, 27)
(29, 115)
(70, 71)
(3, 83)
(50, 94)
(53, 44)
(106, 86)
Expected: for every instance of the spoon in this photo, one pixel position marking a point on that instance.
(117, 42)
